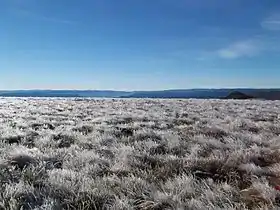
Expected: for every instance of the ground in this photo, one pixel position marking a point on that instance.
(139, 154)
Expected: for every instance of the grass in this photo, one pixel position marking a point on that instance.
(139, 154)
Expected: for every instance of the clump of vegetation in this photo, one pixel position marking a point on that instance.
(139, 154)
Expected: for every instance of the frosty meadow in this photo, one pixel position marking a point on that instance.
(139, 154)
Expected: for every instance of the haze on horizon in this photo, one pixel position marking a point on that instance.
(139, 45)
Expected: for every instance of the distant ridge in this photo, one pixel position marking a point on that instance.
(238, 95)
(64, 93)
(266, 94)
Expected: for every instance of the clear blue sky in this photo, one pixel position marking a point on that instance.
(139, 44)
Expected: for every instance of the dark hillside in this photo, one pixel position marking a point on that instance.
(238, 95)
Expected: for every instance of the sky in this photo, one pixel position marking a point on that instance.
(139, 44)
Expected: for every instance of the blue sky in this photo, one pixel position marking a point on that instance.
(139, 44)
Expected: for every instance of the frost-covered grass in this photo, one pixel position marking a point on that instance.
(139, 154)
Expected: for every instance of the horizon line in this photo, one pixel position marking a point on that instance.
(171, 89)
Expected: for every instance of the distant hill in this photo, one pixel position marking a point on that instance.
(238, 95)
(64, 93)
(191, 93)
(266, 94)
(273, 94)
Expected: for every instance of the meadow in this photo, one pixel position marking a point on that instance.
(143, 154)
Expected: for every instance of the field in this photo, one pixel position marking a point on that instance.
(139, 154)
